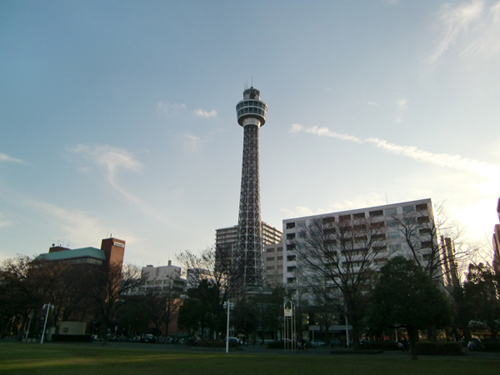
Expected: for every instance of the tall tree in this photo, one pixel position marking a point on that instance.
(213, 283)
(109, 285)
(340, 257)
(481, 289)
(406, 296)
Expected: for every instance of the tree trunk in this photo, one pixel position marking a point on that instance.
(413, 338)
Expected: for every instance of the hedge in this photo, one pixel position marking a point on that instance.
(216, 344)
(79, 338)
(380, 345)
(439, 348)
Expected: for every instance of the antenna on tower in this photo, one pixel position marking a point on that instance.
(251, 82)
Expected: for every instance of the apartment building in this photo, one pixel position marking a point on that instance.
(405, 228)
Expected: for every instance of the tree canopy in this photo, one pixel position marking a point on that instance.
(406, 296)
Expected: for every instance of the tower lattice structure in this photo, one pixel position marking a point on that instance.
(251, 113)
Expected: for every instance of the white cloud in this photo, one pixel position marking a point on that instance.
(5, 157)
(403, 104)
(324, 131)
(490, 171)
(73, 225)
(467, 29)
(298, 211)
(373, 104)
(111, 160)
(191, 142)
(167, 109)
(205, 114)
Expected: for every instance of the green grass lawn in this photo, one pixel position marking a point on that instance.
(17, 358)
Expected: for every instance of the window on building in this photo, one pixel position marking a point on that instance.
(391, 211)
(269, 259)
(291, 269)
(301, 224)
(328, 220)
(359, 216)
(421, 207)
(376, 213)
(344, 217)
(393, 235)
(425, 231)
(280, 257)
(393, 248)
(291, 247)
(290, 236)
(280, 249)
(408, 209)
(290, 225)
(426, 243)
(270, 250)
(270, 267)
(291, 258)
(423, 219)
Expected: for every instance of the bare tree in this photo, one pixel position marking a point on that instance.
(109, 284)
(161, 307)
(435, 242)
(223, 282)
(340, 257)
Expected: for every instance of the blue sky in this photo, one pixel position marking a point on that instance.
(118, 117)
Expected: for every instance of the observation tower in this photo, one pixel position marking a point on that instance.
(251, 113)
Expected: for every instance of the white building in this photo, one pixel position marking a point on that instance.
(282, 261)
(161, 280)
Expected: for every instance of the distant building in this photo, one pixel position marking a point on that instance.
(392, 241)
(496, 242)
(273, 264)
(226, 240)
(161, 280)
(111, 253)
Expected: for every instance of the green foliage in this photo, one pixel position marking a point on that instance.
(407, 296)
(482, 288)
(439, 348)
(275, 345)
(492, 345)
(381, 345)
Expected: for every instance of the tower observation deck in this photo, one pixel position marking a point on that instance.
(251, 113)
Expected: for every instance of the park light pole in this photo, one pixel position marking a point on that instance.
(47, 307)
(229, 306)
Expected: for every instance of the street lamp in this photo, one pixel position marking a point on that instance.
(47, 307)
(229, 305)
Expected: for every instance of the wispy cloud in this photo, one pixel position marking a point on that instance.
(112, 161)
(191, 142)
(468, 28)
(402, 106)
(7, 158)
(166, 109)
(72, 225)
(205, 114)
(444, 160)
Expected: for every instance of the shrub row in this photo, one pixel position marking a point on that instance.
(439, 348)
(65, 338)
(216, 344)
(492, 346)
(380, 345)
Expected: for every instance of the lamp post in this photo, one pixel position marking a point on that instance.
(229, 305)
(47, 307)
